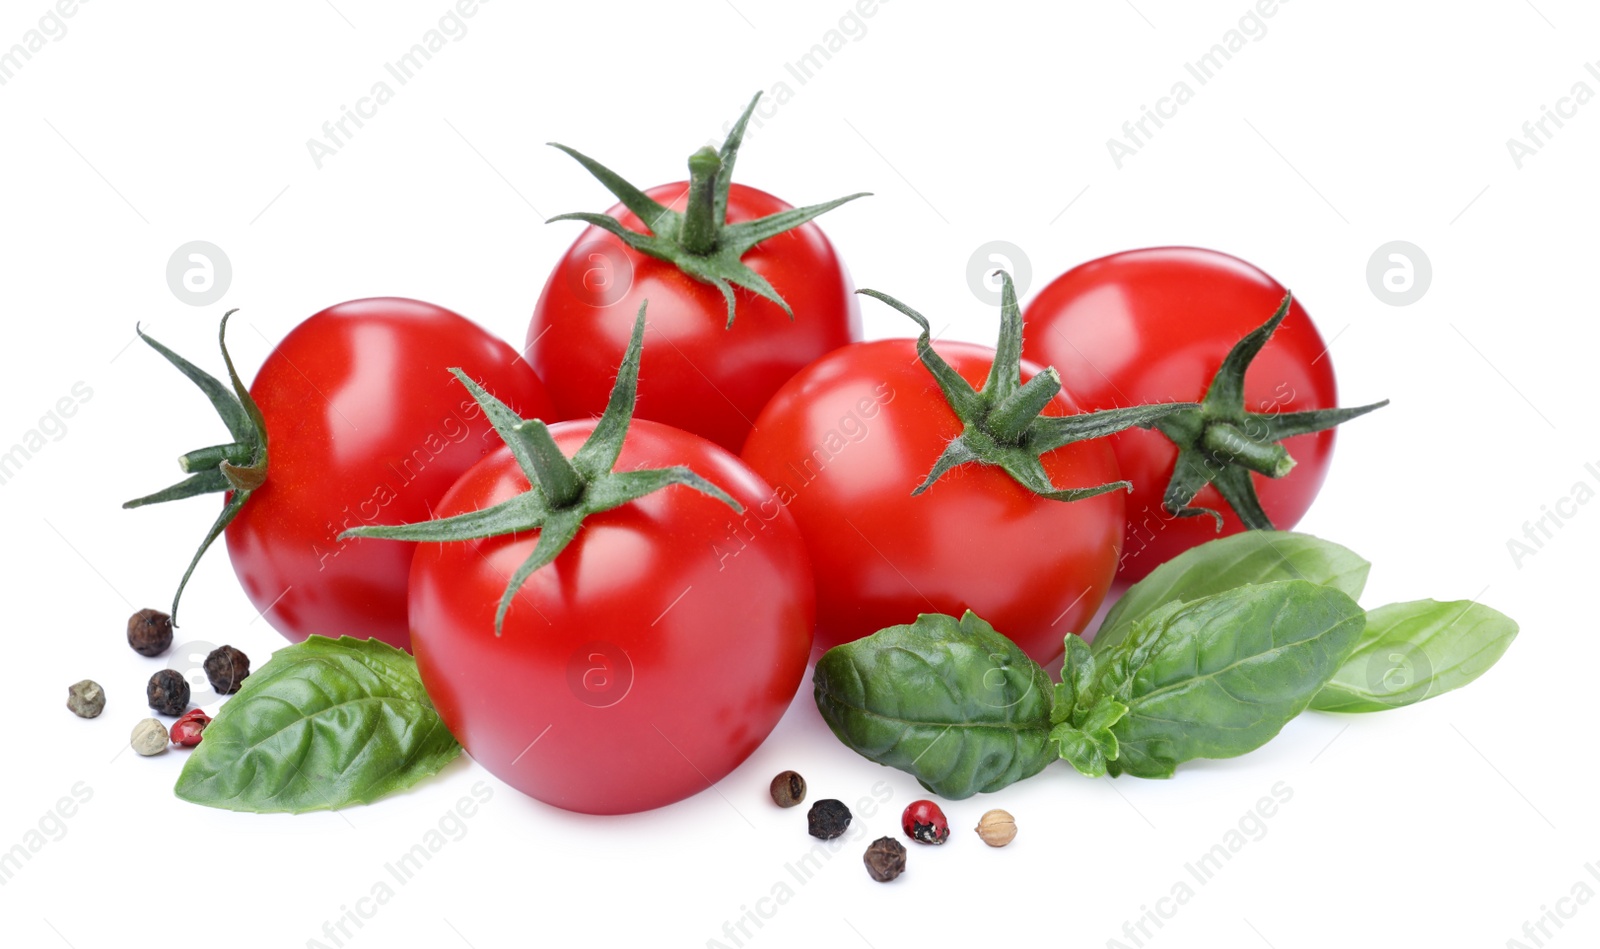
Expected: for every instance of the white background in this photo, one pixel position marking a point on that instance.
(1345, 126)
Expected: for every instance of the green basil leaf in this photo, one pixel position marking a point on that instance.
(1232, 562)
(953, 703)
(324, 724)
(1414, 651)
(1089, 743)
(1221, 675)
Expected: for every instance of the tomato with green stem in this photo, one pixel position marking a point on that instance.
(362, 424)
(1185, 323)
(849, 443)
(575, 624)
(744, 291)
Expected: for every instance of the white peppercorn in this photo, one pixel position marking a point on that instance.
(149, 737)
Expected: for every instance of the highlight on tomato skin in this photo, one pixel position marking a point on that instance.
(745, 290)
(356, 419)
(1155, 324)
(650, 659)
(847, 440)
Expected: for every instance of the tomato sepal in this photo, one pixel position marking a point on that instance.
(239, 466)
(1220, 443)
(1001, 424)
(562, 492)
(699, 241)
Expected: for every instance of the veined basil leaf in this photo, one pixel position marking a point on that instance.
(1232, 562)
(324, 724)
(1221, 675)
(953, 703)
(1414, 651)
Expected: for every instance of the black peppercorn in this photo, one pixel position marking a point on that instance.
(150, 632)
(885, 859)
(168, 692)
(226, 667)
(788, 789)
(828, 819)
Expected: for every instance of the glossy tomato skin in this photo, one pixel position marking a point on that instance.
(365, 425)
(647, 661)
(698, 374)
(846, 441)
(1154, 325)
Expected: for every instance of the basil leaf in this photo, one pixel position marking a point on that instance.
(1414, 651)
(1232, 562)
(1089, 743)
(324, 724)
(1221, 675)
(953, 703)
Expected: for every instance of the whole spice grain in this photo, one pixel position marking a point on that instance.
(168, 692)
(150, 632)
(86, 698)
(186, 730)
(226, 667)
(925, 823)
(788, 789)
(885, 859)
(827, 819)
(997, 828)
(149, 737)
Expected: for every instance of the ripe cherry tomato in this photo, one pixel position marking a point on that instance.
(647, 660)
(846, 441)
(364, 424)
(1154, 325)
(699, 374)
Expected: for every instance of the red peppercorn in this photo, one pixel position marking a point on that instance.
(186, 730)
(924, 822)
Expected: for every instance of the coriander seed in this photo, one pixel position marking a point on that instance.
(226, 667)
(885, 859)
(86, 698)
(168, 692)
(149, 737)
(150, 632)
(997, 828)
(788, 789)
(827, 819)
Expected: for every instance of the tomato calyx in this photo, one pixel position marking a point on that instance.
(1221, 443)
(699, 241)
(562, 492)
(239, 466)
(1001, 424)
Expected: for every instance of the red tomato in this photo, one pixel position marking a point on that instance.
(846, 441)
(1154, 325)
(646, 661)
(699, 374)
(365, 425)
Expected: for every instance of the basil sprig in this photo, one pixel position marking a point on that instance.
(1208, 657)
(322, 725)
